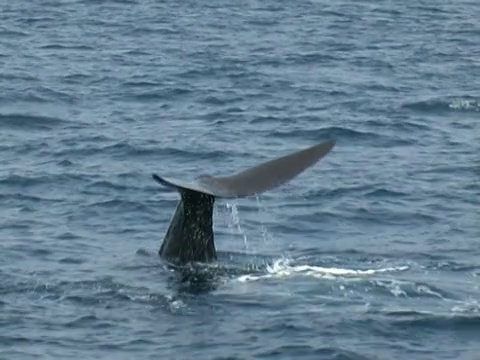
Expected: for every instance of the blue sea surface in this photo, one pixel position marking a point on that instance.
(374, 253)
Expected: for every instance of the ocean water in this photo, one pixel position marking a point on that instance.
(374, 253)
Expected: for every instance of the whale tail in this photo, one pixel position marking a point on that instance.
(255, 180)
(190, 235)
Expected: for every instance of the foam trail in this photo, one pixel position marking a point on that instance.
(282, 269)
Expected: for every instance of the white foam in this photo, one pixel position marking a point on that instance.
(282, 268)
(460, 104)
(177, 305)
(426, 290)
(470, 306)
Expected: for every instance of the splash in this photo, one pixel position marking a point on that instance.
(283, 269)
(266, 235)
(235, 222)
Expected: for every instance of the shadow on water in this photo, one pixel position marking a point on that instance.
(201, 278)
(192, 279)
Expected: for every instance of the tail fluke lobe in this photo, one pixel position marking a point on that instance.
(270, 174)
(257, 179)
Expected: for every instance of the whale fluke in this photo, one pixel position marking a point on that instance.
(190, 234)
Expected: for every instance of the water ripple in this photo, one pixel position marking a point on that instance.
(372, 253)
(26, 122)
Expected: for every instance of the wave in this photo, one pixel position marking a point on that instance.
(352, 136)
(369, 191)
(24, 197)
(125, 149)
(12, 33)
(152, 31)
(141, 84)
(441, 105)
(75, 78)
(103, 2)
(385, 193)
(16, 76)
(335, 132)
(82, 292)
(66, 47)
(88, 321)
(220, 100)
(154, 95)
(301, 351)
(416, 319)
(27, 181)
(30, 122)
(314, 57)
(121, 205)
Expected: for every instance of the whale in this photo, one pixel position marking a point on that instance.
(190, 235)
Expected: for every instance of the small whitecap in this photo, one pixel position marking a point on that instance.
(466, 105)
